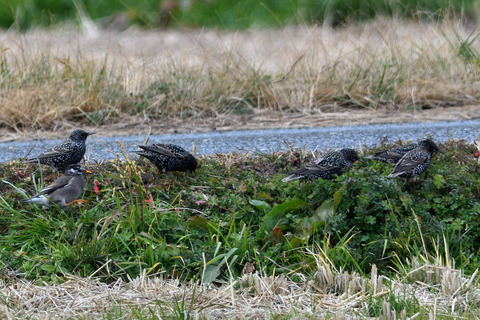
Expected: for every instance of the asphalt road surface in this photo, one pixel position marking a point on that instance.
(265, 141)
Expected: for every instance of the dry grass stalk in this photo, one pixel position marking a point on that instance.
(51, 79)
(254, 296)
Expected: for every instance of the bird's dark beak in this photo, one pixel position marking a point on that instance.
(90, 133)
(360, 160)
(440, 150)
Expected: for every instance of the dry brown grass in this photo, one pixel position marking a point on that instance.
(298, 76)
(435, 289)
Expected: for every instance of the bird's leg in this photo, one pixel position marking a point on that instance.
(76, 201)
(166, 183)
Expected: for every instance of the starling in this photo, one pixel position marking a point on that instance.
(70, 151)
(64, 190)
(392, 155)
(415, 161)
(169, 157)
(330, 164)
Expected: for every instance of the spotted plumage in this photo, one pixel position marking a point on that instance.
(168, 157)
(415, 161)
(392, 155)
(62, 191)
(70, 151)
(330, 164)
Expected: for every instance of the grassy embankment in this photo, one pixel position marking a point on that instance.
(236, 216)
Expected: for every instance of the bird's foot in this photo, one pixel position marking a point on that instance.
(76, 201)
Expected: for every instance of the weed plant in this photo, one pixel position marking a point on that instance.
(235, 211)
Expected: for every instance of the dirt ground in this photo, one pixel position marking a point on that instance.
(263, 119)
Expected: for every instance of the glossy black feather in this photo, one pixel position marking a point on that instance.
(168, 157)
(393, 155)
(326, 167)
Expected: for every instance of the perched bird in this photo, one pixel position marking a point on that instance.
(415, 161)
(330, 164)
(70, 151)
(392, 155)
(168, 157)
(66, 189)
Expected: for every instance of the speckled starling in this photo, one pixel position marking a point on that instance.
(415, 161)
(392, 155)
(330, 164)
(70, 151)
(64, 190)
(169, 157)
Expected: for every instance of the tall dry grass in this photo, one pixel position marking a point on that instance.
(53, 78)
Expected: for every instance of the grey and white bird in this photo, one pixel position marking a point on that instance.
(168, 157)
(392, 155)
(70, 151)
(415, 161)
(66, 189)
(325, 167)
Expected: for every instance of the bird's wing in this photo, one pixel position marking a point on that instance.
(410, 161)
(62, 148)
(324, 158)
(162, 149)
(298, 174)
(61, 182)
(324, 164)
(71, 191)
(391, 154)
(313, 166)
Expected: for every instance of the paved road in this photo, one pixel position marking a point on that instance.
(262, 140)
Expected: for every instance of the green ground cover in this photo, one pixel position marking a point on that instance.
(235, 211)
(229, 14)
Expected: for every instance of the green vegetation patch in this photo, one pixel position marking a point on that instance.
(223, 14)
(236, 212)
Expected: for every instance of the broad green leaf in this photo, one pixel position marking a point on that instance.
(211, 273)
(260, 205)
(295, 242)
(325, 211)
(307, 227)
(47, 267)
(276, 216)
(337, 196)
(212, 269)
(200, 224)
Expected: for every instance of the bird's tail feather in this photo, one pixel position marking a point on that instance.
(292, 177)
(394, 175)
